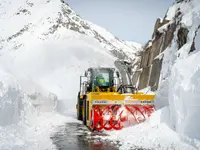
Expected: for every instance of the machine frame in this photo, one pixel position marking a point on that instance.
(93, 103)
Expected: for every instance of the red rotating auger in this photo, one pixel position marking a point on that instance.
(117, 116)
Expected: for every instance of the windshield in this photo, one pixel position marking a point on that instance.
(101, 78)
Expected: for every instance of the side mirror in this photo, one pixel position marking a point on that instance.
(88, 86)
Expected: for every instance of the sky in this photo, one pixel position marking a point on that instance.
(131, 20)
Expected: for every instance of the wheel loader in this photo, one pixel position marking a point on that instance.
(107, 99)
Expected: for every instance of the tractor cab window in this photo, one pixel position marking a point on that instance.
(101, 78)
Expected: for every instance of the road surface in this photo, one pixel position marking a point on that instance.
(75, 136)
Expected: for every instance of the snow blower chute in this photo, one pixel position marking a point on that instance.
(107, 99)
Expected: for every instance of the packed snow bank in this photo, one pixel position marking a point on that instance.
(14, 104)
(184, 96)
(179, 80)
(197, 39)
(152, 134)
(162, 95)
(22, 124)
(19, 118)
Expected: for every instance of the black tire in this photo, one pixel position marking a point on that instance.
(84, 115)
(79, 107)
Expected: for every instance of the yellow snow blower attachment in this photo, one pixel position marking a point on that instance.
(107, 100)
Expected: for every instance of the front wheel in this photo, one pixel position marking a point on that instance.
(84, 112)
(79, 106)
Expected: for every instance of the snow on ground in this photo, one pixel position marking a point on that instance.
(152, 134)
(34, 136)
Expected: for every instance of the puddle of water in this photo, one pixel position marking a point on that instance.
(75, 136)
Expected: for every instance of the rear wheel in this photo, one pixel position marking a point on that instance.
(79, 107)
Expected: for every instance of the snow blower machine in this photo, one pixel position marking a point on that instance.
(108, 101)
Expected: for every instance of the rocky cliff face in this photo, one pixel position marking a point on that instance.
(151, 62)
(171, 28)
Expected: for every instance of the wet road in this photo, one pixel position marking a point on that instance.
(75, 136)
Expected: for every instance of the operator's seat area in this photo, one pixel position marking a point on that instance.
(100, 79)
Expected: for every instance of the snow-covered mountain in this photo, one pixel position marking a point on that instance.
(45, 18)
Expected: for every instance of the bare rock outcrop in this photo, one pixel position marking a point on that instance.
(165, 32)
(151, 62)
